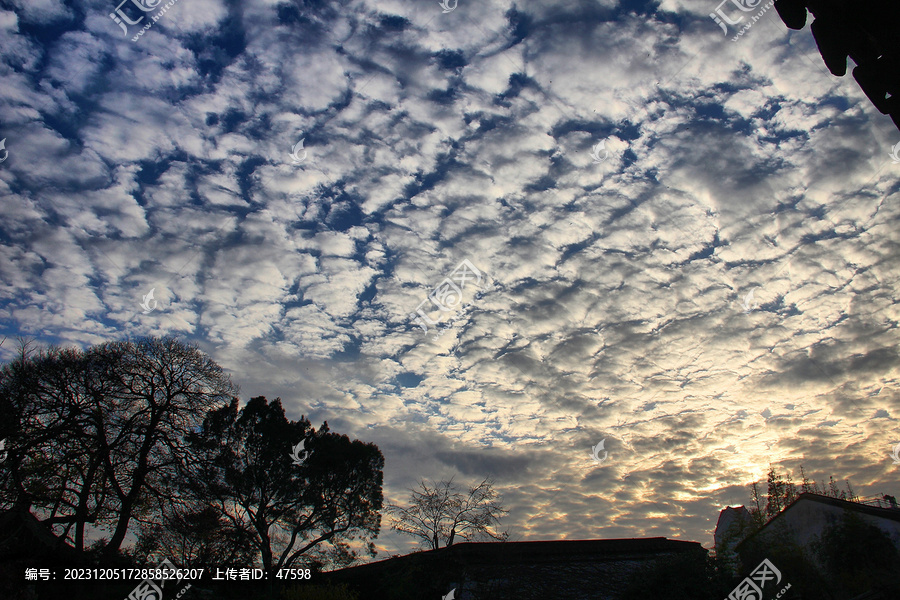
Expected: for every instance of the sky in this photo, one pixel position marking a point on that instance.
(680, 242)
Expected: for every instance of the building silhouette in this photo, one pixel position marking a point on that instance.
(865, 31)
(575, 570)
(806, 518)
(802, 535)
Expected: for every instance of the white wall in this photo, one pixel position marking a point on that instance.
(807, 519)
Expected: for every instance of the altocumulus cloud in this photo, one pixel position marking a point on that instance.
(615, 300)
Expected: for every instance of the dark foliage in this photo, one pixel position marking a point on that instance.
(690, 576)
(242, 468)
(857, 555)
(145, 437)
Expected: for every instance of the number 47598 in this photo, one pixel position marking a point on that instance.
(293, 574)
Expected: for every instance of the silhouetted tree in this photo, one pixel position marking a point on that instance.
(781, 492)
(775, 498)
(243, 470)
(857, 556)
(790, 490)
(196, 538)
(169, 386)
(757, 515)
(98, 435)
(846, 556)
(54, 469)
(791, 559)
(726, 559)
(440, 513)
(806, 486)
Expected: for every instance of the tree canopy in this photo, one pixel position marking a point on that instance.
(439, 513)
(97, 435)
(244, 471)
(146, 436)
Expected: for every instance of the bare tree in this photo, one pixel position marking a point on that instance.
(98, 435)
(775, 499)
(440, 513)
(56, 471)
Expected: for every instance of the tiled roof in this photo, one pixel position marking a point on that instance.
(543, 551)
